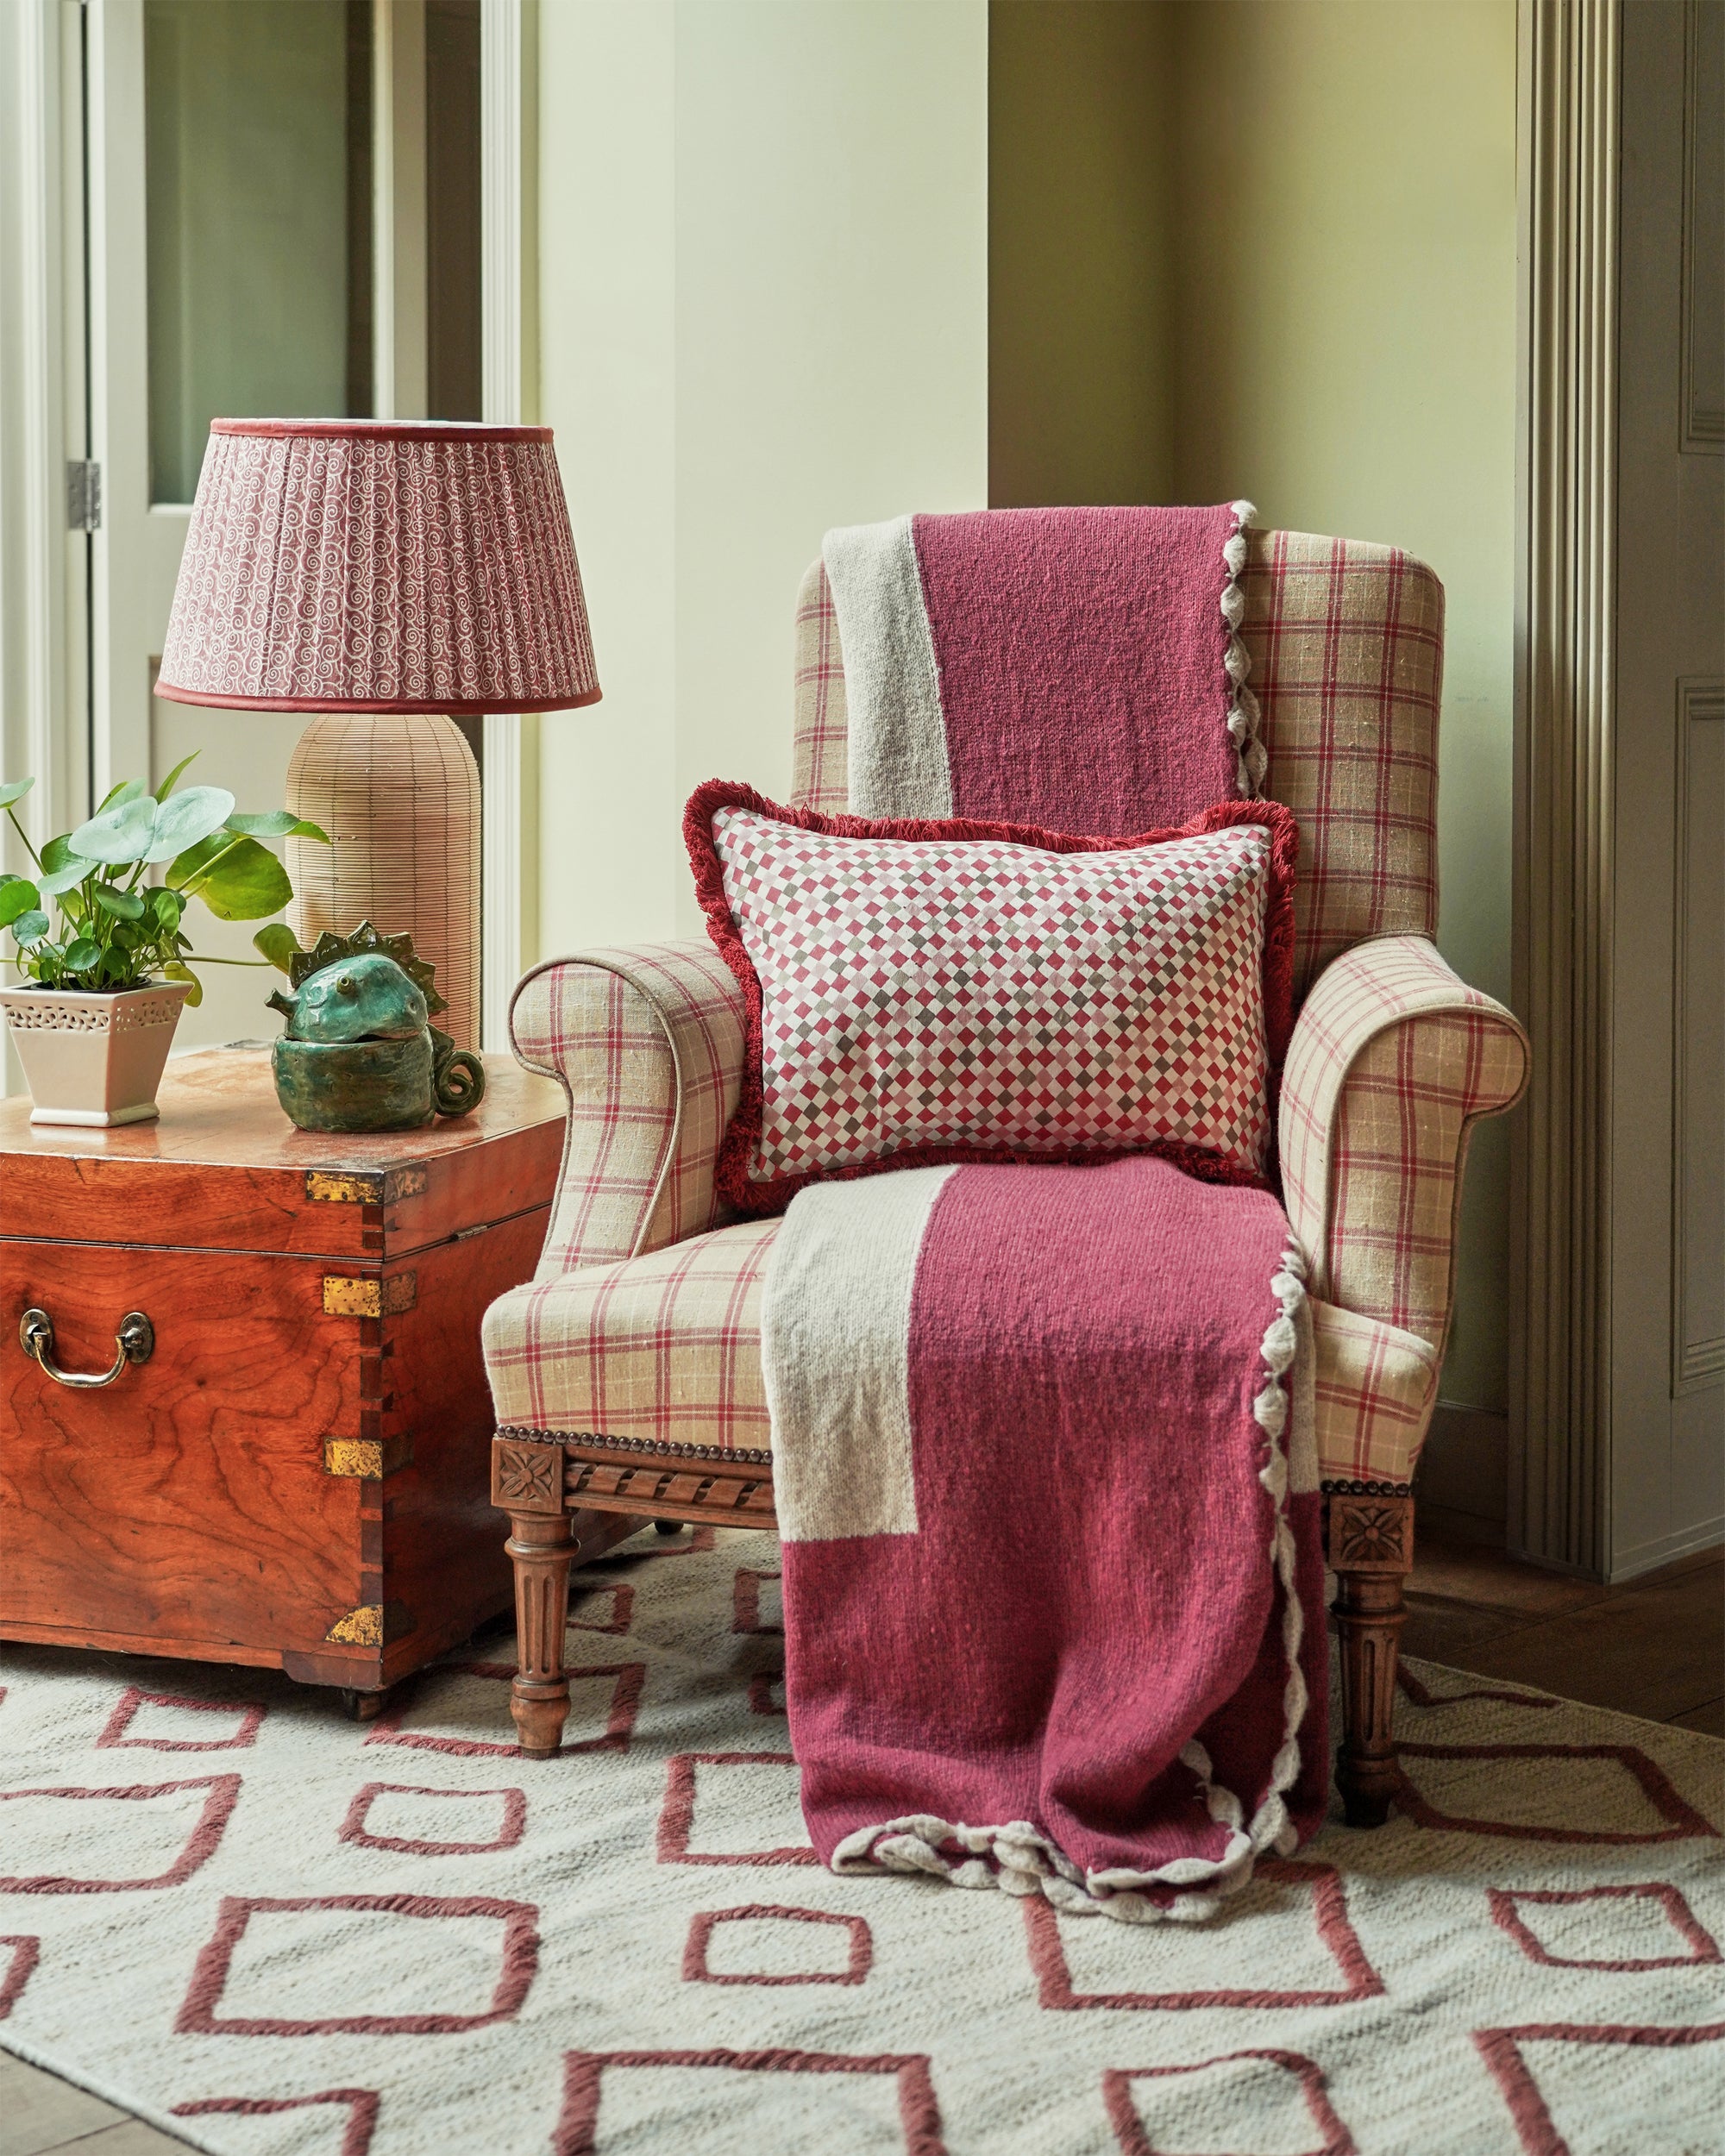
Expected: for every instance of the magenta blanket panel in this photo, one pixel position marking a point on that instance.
(1091, 1586)
(1081, 661)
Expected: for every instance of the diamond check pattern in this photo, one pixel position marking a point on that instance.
(954, 992)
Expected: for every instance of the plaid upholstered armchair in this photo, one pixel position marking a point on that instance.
(628, 1376)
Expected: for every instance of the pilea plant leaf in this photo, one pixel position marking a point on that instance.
(237, 879)
(186, 819)
(117, 836)
(118, 932)
(169, 783)
(278, 944)
(279, 824)
(55, 880)
(18, 896)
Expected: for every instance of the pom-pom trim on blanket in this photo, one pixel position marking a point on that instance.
(1026, 1862)
(731, 1175)
(1252, 758)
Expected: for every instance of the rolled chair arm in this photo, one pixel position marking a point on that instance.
(1394, 1059)
(647, 1042)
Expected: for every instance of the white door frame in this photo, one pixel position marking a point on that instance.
(43, 566)
(509, 347)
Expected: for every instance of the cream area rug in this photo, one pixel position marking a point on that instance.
(281, 1934)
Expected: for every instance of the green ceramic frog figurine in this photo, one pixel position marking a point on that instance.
(359, 1053)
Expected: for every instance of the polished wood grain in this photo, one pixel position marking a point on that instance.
(279, 1188)
(185, 1501)
(1368, 1538)
(298, 1475)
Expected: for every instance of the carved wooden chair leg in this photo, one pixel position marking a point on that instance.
(1371, 1542)
(543, 1549)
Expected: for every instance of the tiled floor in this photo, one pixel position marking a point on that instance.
(1655, 1647)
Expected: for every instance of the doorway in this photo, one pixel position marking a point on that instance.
(284, 219)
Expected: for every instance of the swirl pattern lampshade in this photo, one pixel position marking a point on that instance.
(384, 577)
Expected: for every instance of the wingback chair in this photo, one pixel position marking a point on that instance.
(627, 1376)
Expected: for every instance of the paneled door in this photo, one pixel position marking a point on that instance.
(259, 245)
(1667, 1379)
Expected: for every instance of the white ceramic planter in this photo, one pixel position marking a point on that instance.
(93, 1059)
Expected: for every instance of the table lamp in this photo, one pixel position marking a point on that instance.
(386, 577)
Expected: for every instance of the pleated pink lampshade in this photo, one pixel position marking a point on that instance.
(382, 576)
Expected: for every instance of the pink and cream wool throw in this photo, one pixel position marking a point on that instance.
(1079, 669)
(1044, 1465)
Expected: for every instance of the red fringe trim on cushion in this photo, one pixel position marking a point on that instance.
(741, 1137)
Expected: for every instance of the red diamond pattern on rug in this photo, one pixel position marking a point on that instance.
(952, 992)
(732, 1807)
(25, 1952)
(1560, 2080)
(474, 1720)
(383, 1958)
(1276, 2102)
(380, 1805)
(1305, 1951)
(355, 2128)
(798, 1945)
(704, 1964)
(166, 1721)
(1453, 1786)
(1629, 1927)
(153, 1834)
(813, 2108)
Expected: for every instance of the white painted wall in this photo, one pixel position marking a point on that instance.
(763, 293)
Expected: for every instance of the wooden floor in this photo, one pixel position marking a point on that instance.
(1655, 1648)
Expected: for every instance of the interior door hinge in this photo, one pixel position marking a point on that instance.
(83, 494)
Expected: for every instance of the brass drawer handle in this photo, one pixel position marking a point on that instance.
(135, 1341)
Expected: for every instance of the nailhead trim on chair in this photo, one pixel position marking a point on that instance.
(743, 1454)
(1367, 1489)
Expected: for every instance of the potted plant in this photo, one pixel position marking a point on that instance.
(106, 979)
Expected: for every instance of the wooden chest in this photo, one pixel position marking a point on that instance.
(296, 1475)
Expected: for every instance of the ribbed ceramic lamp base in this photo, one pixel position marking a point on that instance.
(399, 797)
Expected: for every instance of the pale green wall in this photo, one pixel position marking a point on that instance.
(1331, 204)
(763, 295)
(1081, 252)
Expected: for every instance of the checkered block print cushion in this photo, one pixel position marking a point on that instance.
(923, 995)
(647, 1041)
(667, 1348)
(1347, 646)
(1392, 1061)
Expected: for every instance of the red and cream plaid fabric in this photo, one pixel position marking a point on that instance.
(648, 1042)
(1346, 645)
(820, 741)
(667, 1348)
(1393, 1060)
(1375, 1387)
